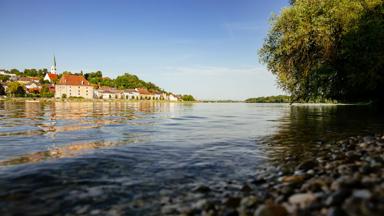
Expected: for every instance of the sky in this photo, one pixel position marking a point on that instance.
(207, 48)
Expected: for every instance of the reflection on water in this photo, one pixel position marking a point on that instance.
(78, 157)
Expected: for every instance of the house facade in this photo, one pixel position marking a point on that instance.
(73, 86)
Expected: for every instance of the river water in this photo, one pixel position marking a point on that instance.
(71, 158)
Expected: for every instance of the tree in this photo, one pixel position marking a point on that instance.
(15, 71)
(188, 98)
(45, 91)
(16, 89)
(2, 90)
(314, 48)
(4, 78)
(94, 77)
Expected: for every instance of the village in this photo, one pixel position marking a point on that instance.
(74, 86)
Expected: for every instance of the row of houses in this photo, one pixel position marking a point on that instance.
(33, 85)
(77, 86)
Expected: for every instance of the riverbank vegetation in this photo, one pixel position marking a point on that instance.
(269, 99)
(287, 99)
(331, 49)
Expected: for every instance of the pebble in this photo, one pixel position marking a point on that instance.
(363, 194)
(306, 165)
(271, 210)
(337, 198)
(201, 189)
(292, 179)
(249, 201)
(232, 202)
(345, 178)
(336, 211)
(303, 199)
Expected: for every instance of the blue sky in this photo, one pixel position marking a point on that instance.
(207, 48)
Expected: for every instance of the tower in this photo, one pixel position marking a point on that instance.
(53, 68)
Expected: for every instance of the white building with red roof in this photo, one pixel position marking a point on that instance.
(52, 76)
(73, 86)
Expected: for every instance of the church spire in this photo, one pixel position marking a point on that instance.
(53, 68)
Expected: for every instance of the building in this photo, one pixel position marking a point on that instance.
(131, 94)
(73, 86)
(33, 87)
(27, 80)
(52, 76)
(144, 94)
(108, 93)
(172, 97)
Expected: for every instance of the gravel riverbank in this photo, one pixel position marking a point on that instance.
(346, 178)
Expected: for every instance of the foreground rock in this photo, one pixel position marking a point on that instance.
(346, 178)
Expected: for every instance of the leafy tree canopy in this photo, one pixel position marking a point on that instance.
(328, 49)
(2, 90)
(16, 89)
(188, 98)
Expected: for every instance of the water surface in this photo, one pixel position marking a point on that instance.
(96, 157)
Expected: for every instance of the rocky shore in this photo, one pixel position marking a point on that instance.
(346, 178)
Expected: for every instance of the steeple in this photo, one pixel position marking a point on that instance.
(53, 68)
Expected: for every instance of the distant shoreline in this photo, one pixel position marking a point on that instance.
(27, 99)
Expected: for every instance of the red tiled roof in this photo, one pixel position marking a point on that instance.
(143, 91)
(28, 79)
(69, 79)
(52, 76)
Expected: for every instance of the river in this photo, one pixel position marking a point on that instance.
(95, 157)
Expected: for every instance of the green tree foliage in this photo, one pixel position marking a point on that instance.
(127, 81)
(4, 78)
(328, 49)
(2, 90)
(44, 92)
(15, 71)
(35, 72)
(94, 77)
(16, 89)
(188, 98)
(269, 99)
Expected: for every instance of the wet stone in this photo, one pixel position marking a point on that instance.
(306, 165)
(337, 198)
(201, 189)
(249, 201)
(271, 210)
(232, 202)
(363, 194)
(246, 188)
(302, 200)
(292, 179)
(336, 211)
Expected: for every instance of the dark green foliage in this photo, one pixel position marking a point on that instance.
(2, 90)
(34, 72)
(269, 99)
(16, 89)
(4, 78)
(45, 92)
(328, 49)
(129, 81)
(188, 98)
(94, 77)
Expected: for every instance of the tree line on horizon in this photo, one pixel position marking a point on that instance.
(328, 49)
